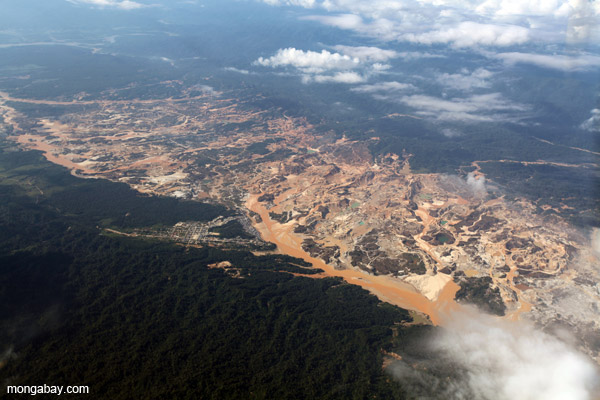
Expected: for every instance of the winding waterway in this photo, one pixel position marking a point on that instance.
(386, 288)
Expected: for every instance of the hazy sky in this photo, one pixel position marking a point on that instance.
(459, 23)
(492, 35)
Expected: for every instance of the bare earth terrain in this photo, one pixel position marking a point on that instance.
(411, 239)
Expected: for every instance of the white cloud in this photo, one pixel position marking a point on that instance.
(417, 55)
(495, 359)
(407, 28)
(301, 3)
(343, 21)
(339, 77)
(123, 4)
(167, 60)
(309, 61)
(593, 125)
(466, 80)
(239, 71)
(384, 87)
(580, 17)
(204, 89)
(451, 133)
(583, 20)
(559, 62)
(462, 22)
(379, 67)
(477, 108)
(519, 7)
(476, 183)
(470, 33)
(382, 28)
(325, 66)
(369, 54)
(471, 186)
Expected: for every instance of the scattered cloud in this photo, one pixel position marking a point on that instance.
(466, 80)
(468, 34)
(555, 61)
(504, 8)
(491, 358)
(167, 60)
(204, 89)
(348, 65)
(472, 186)
(343, 21)
(378, 67)
(451, 133)
(476, 183)
(417, 55)
(301, 3)
(339, 77)
(386, 91)
(365, 53)
(380, 28)
(461, 23)
(122, 4)
(491, 107)
(593, 123)
(387, 87)
(309, 61)
(584, 19)
(207, 89)
(237, 70)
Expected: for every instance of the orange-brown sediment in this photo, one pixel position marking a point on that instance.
(386, 288)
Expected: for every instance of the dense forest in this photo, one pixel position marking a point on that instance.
(135, 318)
(574, 192)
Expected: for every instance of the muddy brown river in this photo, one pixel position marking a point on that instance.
(386, 288)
